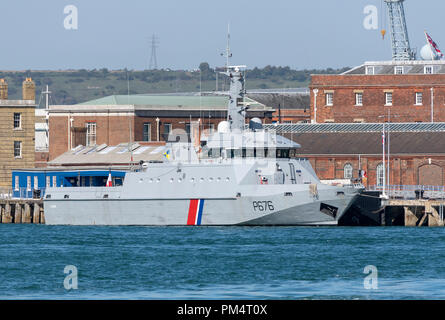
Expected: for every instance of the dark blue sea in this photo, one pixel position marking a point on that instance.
(221, 262)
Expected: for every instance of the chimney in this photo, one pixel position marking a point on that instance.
(3, 89)
(29, 90)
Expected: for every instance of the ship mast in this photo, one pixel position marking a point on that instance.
(236, 114)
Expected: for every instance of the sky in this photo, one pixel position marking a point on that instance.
(116, 34)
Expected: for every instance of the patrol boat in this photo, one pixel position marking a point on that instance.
(238, 175)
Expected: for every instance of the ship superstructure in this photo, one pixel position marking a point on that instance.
(237, 175)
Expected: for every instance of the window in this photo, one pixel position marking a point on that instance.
(147, 132)
(398, 70)
(91, 134)
(370, 70)
(388, 98)
(54, 181)
(428, 70)
(167, 128)
(329, 99)
(17, 121)
(17, 149)
(380, 174)
(28, 183)
(419, 98)
(36, 182)
(359, 99)
(48, 181)
(16, 183)
(347, 171)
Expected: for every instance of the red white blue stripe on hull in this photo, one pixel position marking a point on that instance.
(195, 212)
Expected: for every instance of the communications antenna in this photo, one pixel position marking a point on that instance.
(227, 54)
(401, 49)
(153, 65)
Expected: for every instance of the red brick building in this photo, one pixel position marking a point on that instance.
(413, 91)
(117, 119)
(339, 151)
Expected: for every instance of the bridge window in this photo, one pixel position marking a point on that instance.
(282, 153)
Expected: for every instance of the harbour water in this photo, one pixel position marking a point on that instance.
(221, 262)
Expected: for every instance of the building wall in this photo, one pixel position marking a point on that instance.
(292, 115)
(373, 88)
(8, 135)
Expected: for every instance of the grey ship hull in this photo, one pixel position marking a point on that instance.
(271, 206)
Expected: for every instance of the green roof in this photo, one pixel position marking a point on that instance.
(159, 100)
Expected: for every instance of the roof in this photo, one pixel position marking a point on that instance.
(409, 67)
(368, 143)
(165, 101)
(286, 100)
(357, 127)
(103, 155)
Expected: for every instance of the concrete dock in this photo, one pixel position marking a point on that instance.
(22, 211)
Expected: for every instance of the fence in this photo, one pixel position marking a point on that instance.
(411, 191)
(25, 193)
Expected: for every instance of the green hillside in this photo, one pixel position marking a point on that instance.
(76, 86)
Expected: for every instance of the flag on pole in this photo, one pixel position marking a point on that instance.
(434, 45)
(109, 181)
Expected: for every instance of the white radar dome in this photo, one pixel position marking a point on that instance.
(426, 53)
(255, 124)
(223, 127)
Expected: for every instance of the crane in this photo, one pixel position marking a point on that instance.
(401, 49)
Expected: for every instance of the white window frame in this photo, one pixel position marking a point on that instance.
(91, 134)
(19, 121)
(348, 171)
(359, 98)
(426, 68)
(54, 181)
(388, 102)
(370, 70)
(329, 99)
(148, 135)
(168, 124)
(36, 182)
(16, 183)
(399, 70)
(20, 150)
(419, 99)
(48, 181)
(379, 172)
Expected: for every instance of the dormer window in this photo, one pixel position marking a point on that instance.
(398, 70)
(370, 70)
(429, 70)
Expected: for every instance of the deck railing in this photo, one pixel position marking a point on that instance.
(411, 191)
